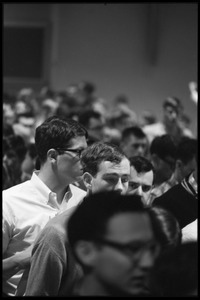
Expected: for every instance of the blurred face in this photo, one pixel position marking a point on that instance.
(68, 167)
(186, 169)
(96, 128)
(122, 266)
(134, 146)
(141, 184)
(112, 177)
(170, 115)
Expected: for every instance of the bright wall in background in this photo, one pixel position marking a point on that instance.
(146, 51)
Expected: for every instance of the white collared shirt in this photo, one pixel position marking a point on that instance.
(27, 207)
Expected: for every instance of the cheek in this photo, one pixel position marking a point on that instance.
(100, 185)
(114, 266)
(125, 188)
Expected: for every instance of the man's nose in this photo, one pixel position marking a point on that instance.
(138, 191)
(146, 259)
(119, 186)
(140, 150)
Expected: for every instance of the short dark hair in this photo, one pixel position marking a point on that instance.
(56, 132)
(85, 116)
(94, 154)
(166, 228)
(141, 164)
(163, 146)
(187, 149)
(89, 220)
(134, 130)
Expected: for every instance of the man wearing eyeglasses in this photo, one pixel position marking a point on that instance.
(141, 178)
(112, 237)
(105, 168)
(28, 206)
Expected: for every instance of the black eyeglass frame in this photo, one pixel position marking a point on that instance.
(131, 249)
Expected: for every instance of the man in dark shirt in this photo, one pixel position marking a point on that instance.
(182, 200)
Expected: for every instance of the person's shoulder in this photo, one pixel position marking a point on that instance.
(77, 190)
(155, 126)
(53, 233)
(15, 189)
(170, 192)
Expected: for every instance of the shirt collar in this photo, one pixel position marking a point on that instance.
(48, 195)
(41, 186)
(193, 182)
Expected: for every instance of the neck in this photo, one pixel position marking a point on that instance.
(51, 181)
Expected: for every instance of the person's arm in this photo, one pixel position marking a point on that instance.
(46, 269)
(17, 262)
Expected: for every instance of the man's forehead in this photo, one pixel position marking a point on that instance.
(130, 225)
(109, 167)
(78, 142)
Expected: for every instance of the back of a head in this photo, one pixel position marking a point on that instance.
(99, 152)
(134, 130)
(89, 220)
(141, 164)
(56, 132)
(166, 228)
(163, 146)
(85, 117)
(187, 149)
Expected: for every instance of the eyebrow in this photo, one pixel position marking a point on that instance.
(116, 175)
(131, 181)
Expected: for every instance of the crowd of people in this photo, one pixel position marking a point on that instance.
(96, 200)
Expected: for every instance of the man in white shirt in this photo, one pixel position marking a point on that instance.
(28, 206)
(106, 168)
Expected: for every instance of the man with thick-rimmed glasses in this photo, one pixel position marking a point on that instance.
(105, 168)
(27, 207)
(113, 239)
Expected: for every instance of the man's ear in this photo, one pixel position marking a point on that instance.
(87, 180)
(86, 252)
(52, 155)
